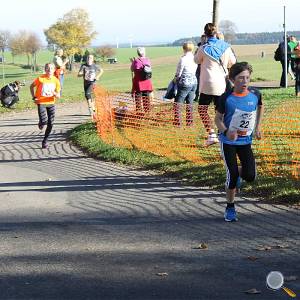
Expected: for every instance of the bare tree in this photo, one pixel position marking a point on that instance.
(27, 43)
(104, 52)
(32, 45)
(229, 29)
(16, 44)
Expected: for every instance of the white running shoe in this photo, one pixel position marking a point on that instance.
(212, 139)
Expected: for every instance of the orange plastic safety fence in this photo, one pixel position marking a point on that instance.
(178, 131)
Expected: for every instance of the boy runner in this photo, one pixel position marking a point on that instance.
(90, 73)
(238, 116)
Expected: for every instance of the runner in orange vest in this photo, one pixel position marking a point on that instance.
(44, 90)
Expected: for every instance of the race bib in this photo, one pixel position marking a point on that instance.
(243, 122)
(48, 89)
(90, 75)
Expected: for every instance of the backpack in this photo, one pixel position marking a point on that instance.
(279, 55)
(9, 95)
(146, 71)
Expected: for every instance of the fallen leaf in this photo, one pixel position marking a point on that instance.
(252, 258)
(290, 278)
(201, 246)
(252, 291)
(162, 274)
(264, 248)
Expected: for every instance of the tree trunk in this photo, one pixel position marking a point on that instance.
(215, 19)
(34, 63)
(28, 59)
(71, 58)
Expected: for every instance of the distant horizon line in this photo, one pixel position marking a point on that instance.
(149, 43)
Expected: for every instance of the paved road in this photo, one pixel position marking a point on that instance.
(76, 228)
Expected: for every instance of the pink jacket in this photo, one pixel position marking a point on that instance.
(138, 84)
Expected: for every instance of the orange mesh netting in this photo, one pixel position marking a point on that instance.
(177, 132)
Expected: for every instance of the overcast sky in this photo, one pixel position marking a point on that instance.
(152, 20)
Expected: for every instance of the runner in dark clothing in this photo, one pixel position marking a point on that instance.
(90, 73)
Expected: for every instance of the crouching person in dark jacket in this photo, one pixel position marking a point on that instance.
(9, 94)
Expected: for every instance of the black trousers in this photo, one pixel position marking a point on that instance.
(46, 117)
(283, 75)
(246, 157)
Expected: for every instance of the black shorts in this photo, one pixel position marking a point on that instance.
(88, 89)
(205, 99)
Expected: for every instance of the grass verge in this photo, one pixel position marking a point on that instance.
(272, 189)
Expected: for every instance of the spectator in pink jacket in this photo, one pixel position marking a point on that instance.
(141, 88)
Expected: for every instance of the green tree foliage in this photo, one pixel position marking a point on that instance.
(72, 32)
(85, 55)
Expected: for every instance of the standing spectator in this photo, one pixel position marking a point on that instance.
(60, 66)
(44, 91)
(90, 73)
(238, 117)
(215, 57)
(281, 48)
(186, 84)
(292, 45)
(296, 52)
(141, 88)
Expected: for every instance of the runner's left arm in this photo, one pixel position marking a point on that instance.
(100, 72)
(259, 116)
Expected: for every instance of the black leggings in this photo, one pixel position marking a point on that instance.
(245, 154)
(46, 117)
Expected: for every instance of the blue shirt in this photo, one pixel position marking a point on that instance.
(239, 114)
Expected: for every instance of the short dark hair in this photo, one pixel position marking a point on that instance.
(239, 67)
(210, 29)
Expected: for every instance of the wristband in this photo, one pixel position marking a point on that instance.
(225, 131)
(34, 98)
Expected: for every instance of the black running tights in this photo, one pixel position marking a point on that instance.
(46, 117)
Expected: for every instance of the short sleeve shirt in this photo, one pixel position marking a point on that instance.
(239, 114)
(89, 72)
(45, 89)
